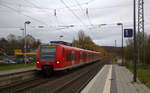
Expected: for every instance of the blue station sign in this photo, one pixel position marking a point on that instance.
(128, 33)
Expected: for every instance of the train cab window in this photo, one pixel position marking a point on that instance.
(47, 53)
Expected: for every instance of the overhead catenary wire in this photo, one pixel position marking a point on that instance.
(8, 27)
(15, 10)
(86, 26)
(84, 12)
(73, 12)
(55, 14)
(59, 22)
(71, 6)
(84, 3)
(38, 8)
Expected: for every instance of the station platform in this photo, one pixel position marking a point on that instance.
(114, 79)
(18, 70)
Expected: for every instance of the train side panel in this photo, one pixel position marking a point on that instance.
(68, 57)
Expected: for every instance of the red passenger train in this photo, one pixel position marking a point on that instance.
(61, 57)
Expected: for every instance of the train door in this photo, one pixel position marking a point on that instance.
(85, 57)
(81, 57)
(76, 57)
(69, 57)
(64, 63)
(73, 57)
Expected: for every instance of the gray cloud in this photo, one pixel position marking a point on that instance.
(41, 13)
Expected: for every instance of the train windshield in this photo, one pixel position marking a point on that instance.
(47, 53)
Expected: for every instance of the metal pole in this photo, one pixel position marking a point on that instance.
(134, 22)
(144, 53)
(122, 46)
(25, 43)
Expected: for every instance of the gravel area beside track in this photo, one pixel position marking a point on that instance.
(61, 82)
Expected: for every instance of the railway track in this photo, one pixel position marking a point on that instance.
(78, 83)
(31, 83)
(62, 82)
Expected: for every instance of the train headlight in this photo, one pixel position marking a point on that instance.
(37, 62)
(57, 62)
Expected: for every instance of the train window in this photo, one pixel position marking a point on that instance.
(63, 52)
(82, 56)
(69, 56)
(74, 57)
(47, 53)
(79, 55)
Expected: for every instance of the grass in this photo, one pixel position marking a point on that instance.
(15, 66)
(143, 72)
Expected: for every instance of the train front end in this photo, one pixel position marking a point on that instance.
(45, 59)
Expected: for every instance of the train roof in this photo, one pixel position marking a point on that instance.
(71, 47)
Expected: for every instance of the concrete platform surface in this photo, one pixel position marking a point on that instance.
(12, 71)
(114, 79)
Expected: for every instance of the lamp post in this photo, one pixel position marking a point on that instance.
(26, 22)
(121, 24)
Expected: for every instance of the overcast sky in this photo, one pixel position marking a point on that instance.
(13, 14)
